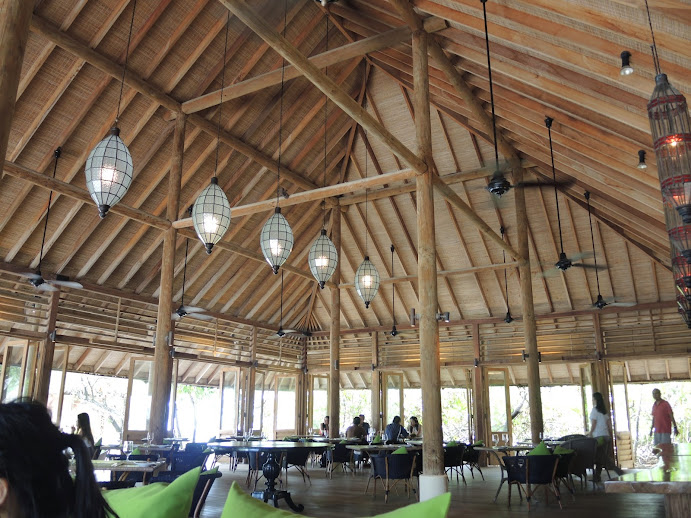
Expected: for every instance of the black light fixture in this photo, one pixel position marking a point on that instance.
(626, 68)
(641, 159)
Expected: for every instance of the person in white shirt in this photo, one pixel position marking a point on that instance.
(601, 429)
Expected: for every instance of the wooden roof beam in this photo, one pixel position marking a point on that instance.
(328, 58)
(65, 41)
(240, 9)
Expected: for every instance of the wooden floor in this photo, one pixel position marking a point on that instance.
(343, 496)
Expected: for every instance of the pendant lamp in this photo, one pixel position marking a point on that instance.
(323, 256)
(211, 210)
(276, 239)
(109, 169)
(366, 276)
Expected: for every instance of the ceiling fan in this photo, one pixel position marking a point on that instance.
(498, 185)
(564, 262)
(601, 302)
(36, 278)
(192, 311)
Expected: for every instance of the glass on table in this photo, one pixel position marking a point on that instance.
(505, 439)
(495, 439)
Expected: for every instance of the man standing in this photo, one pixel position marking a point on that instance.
(663, 420)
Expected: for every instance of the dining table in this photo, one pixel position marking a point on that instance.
(671, 477)
(271, 468)
(151, 468)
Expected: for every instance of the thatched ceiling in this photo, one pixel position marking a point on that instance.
(558, 58)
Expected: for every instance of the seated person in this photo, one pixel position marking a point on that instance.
(324, 427)
(364, 423)
(414, 428)
(35, 480)
(394, 431)
(355, 430)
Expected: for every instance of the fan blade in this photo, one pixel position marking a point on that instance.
(200, 316)
(31, 275)
(580, 255)
(67, 284)
(291, 332)
(560, 183)
(175, 316)
(622, 304)
(193, 309)
(46, 287)
(550, 272)
(590, 266)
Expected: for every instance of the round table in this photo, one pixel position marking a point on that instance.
(271, 469)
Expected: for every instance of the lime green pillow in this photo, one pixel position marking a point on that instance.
(559, 450)
(136, 451)
(540, 449)
(600, 441)
(377, 439)
(156, 500)
(240, 503)
(452, 443)
(98, 443)
(479, 443)
(208, 450)
(343, 442)
(211, 471)
(400, 451)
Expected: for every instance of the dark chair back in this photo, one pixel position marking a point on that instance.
(256, 459)
(152, 457)
(585, 450)
(453, 455)
(400, 466)
(571, 437)
(296, 457)
(470, 455)
(378, 465)
(183, 461)
(206, 480)
(116, 456)
(564, 464)
(195, 447)
(339, 454)
(541, 468)
(515, 468)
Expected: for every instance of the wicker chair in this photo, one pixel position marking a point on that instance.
(387, 468)
(453, 461)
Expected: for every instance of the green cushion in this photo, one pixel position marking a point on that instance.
(208, 450)
(377, 439)
(479, 443)
(136, 451)
(452, 443)
(98, 443)
(240, 504)
(559, 450)
(540, 449)
(399, 451)
(211, 471)
(343, 442)
(600, 441)
(156, 500)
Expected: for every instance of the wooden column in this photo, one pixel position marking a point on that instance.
(529, 326)
(375, 417)
(251, 380)
(15, 17)
(600, 377)
(46, 352)
(163, 362)
(480, 399)
(335, 338)
(430, 377)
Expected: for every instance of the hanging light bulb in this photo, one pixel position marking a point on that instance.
(211, 215)
(109, 169)
(211, 210)
(367, 281)
(323, 258)
(626, 68)
(641, 159)
(276, 240)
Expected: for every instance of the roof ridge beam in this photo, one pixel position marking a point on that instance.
(323, 83)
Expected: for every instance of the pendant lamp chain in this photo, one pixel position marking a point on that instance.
(491, 87)
(548, 123)
(220, 106)
(127, 56)
(56, 154)
(592, 240)
(653, 47)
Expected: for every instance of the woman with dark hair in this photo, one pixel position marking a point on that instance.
(35, 480)
(414, 427)
(84, 431)
(601, 429)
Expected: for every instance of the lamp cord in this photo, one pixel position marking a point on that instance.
(592, 240)
(506, 282)
(280, 322)
(393, 290)
(366, 191)
(56, 154)
(548, 123)
(326, 102)
(491, 87)
(653, 47)
(184, 273)
(220, 106)
(280, 117)
(127, 56)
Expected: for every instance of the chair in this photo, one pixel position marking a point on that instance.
(255, 461)
(572, 437)
(392, 467)
(195, 447)
(562, 473)
(339, 454)
(297, 458)
(453, 461)
(137, 477)
(201, 491)
(180, 463)
(585, 450)
(528, 471)
(471, 458)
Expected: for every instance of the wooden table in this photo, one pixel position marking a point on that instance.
(131, 466)
(271, 468)
(671, 477)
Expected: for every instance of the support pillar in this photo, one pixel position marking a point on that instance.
(335, 338)
(434, 481)
(47, 351)
(479, 392)
(163, 361)
(376, 417)
(15, 17)
(251, 380)
(600, 372)
(529, 326)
